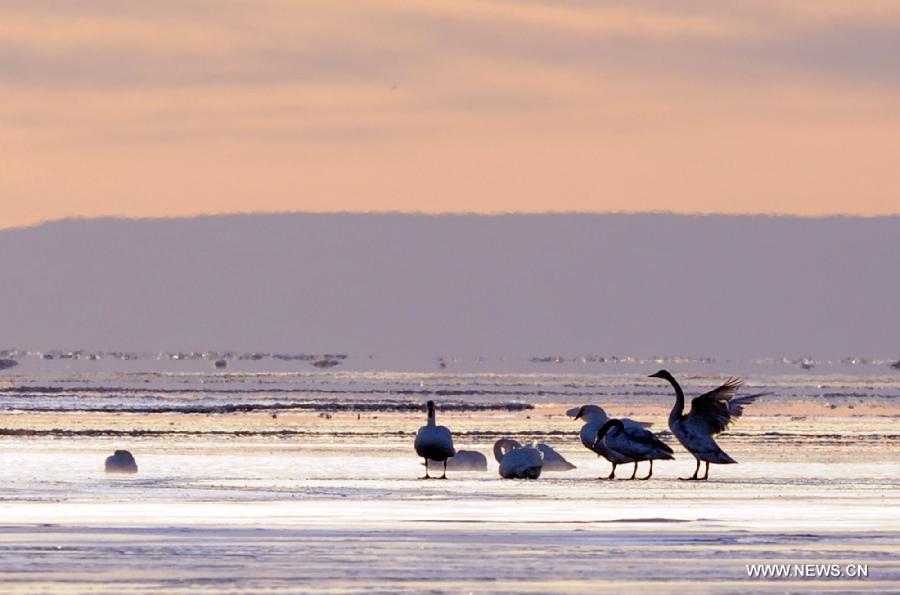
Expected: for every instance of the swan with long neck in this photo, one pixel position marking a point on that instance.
(594, 417)
(434, 442)
(711, 413)
(517, 461)
(633, 441)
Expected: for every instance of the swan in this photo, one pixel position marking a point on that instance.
(552, 460)
(121, 461)
(634, 442)
(466, 460)
(711, 413)
(434, 442)
(517, 461)
(594, 417)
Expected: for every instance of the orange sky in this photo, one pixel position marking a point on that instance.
(178, 108)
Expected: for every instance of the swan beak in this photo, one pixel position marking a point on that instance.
(654, 375)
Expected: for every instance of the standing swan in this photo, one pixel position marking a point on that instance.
(594, 417)
(434, 442)
(634, 442)
(517, 461)
(710, 414)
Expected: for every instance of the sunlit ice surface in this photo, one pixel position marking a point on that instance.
(282, 482)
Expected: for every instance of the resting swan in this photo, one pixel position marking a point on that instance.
(517, 461)
(553, 461)
(121, 461)
(467, 460)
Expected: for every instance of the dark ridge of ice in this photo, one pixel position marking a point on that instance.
(307, 406)
(49, 390)
(550, 522)
(471, 436)
(61, 432)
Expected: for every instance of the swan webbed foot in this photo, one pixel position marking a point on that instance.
(612, 474)
(696, 474)
(634, 472)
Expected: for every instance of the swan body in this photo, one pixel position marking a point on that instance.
(552, 460)
(434, 442)
(121, 461)
(711, 413)
(594, 418)
(466, 460)
(517, 461)
(635, 442)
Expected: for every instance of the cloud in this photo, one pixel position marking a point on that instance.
(119, 108)
(374, 42)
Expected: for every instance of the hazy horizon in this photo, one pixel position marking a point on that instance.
(448, 214)
(510, 285)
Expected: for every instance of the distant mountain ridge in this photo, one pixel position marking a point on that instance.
(733, 286)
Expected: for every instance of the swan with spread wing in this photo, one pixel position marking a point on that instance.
(711, 413)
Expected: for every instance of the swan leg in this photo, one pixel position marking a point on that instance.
(612, 474)
(649, 475)
(705, 475)
(696, 472)
(634, 472)
(444, 476)
(426, 471)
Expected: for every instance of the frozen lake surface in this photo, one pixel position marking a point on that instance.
(281, 481)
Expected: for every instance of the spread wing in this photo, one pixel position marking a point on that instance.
(716, 408)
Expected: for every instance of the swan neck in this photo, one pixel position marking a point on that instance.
(503, 447)
(678, 409)
(498, 450)
(613, 423)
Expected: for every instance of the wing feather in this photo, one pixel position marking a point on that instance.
(714, 408)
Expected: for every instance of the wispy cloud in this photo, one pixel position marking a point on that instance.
(532, 105)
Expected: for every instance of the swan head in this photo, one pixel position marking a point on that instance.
(664, 374)
(590, 412)
(612, 423)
